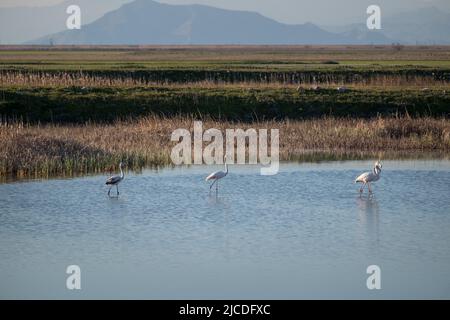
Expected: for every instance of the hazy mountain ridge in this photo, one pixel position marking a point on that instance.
(149, 22)
(21, 24)
(427, 25)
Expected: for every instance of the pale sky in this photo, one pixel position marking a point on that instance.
(324, 12)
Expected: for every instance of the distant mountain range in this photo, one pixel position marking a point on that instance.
(427, 25)
(149, 22)
(21, 24)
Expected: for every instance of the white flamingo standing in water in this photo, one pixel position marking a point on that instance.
(216, 176)
(368, 177)
(115, 180)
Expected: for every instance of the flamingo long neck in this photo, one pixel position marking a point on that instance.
(376, 170)
(226, 168)
(121, 173)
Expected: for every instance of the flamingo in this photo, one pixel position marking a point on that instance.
(216, 176)
(115, 180)
(369, 177)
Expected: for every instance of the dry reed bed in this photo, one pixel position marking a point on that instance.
(49, 150)
(77, 79)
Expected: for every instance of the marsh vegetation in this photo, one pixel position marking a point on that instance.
(45, 150)
(77, 110)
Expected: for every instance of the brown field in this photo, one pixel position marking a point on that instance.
(236, 53)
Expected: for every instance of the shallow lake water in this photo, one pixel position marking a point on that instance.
(303, 233)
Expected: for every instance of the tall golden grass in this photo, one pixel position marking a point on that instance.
(70, 79)
(38, 151)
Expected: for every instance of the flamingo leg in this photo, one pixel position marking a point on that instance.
(117, 189)
(210, 187)
(370, 190)
(361, 190)
(109, 191)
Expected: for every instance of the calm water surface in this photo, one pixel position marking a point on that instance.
(304, 233)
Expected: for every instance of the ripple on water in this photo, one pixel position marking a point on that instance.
(274, 237)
